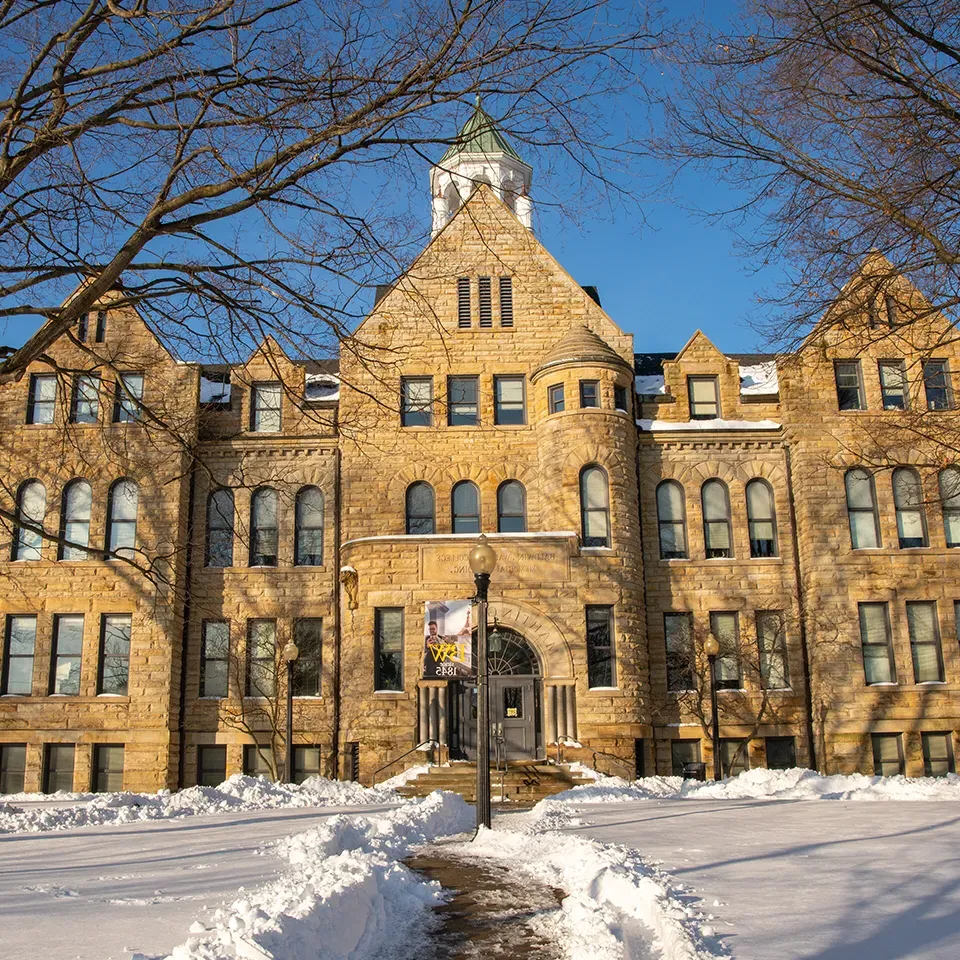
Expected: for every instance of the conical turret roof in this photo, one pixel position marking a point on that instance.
(581, 345)
(479, 135)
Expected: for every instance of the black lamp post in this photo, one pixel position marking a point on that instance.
(711, 647)
(483, 561)
(290, 654)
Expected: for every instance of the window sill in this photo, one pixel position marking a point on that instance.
(597, 551)
(394, 694)
(603, 690)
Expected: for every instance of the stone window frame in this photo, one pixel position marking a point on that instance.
(502, 515)
(299, 768)
(261, 661)
(58, 749)
(692, 403)
(685, 742)
(679, 662)
(761, 483)
(587, 402)
(228, 527)
(117, 523)
(204, 750)
(413, 409)
(708, 521)
(887, 644)
(728, 655)
(775, 649)
(621, 398)
(900, 367)
(308, 664)
(33, 401)
(20, 543)
(9, 771)
(497, 413)
(258, 391)
(99, 770)
(902, 510)
(257, 528)
(83, 383)
(916, 644)
(127, 401)
(408, 516)
(793, 747)
(947, 387)
(455, 516)
(8, 655)
(947, 758)
(684, 554)
(879, 764)
(301, 526)
(950, 504)
(556, 398)
(872, 509)
(600, 654)
(587, 512)
(121, 659)
(475, 380)
(378, 613)
(56, 656)
(861, 397)
(202, 691)
(731, 747)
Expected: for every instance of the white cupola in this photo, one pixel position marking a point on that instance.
(480, 154)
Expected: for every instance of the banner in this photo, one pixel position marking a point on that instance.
(447, 639)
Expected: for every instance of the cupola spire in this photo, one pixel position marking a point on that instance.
(480, 154)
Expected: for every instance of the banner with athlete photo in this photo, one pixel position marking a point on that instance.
(447, 639)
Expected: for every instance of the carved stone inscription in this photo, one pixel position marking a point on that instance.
(516, 563)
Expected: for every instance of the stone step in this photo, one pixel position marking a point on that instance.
(526, 783)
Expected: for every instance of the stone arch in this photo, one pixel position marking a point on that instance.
(541, 633)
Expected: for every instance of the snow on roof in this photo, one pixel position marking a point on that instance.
(759, 379)
(655, 426)
(649, 384)
(215, 388)
(322, 387)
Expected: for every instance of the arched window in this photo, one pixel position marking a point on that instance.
(263, 528)
(761, 519)
(908, 501)
(308, 546)
(511, 507)
(716, 520)
(75, 520)
(122, 505)
(595, 506)
(466, 507)
(950, 504)
(671, 521)
(862, 509)
(31, 508)
(421, 513)
(220, 519)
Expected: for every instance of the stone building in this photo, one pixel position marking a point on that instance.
(171, 526)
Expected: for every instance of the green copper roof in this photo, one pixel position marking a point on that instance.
(479, 135)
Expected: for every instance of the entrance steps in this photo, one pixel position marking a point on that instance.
(522, 782)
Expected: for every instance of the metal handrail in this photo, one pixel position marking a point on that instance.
(623, 763)
(431, 743)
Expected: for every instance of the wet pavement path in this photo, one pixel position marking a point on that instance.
(491, 911)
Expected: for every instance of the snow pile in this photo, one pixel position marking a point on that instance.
(649, 385)
(614, 897)
(236, 793)
(759, 379)
(795, 784)
(345, 895)
(655, 426)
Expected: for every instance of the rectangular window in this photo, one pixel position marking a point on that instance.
(388, 649)
(85, 405)
(211, 766)
(485, 298)
(126, 406)
(58, 767)
(306, 763)
(589, 394)
(82, 326)
(893, 384)
(13, 767)
(509, 400)
(781, 753)
(925, 642)
(42, 399)
(265, 407)
(107, 768)
(114, 674)
(261, 658)
(21, 638)
(937, 754)
(936, 385)
(620, 398)
(893, 316)
(726, 628)
(555, 398)
(101, 335)
(416, 401)
(682, 753)
(257, 759)
(463, 401)
(308, 636)
(774, 673)
(734, 757)
(849, 385)
(678, 632)
(67, 653)
(601, 671)
(215, 659)
(878, 663)
(887, 754)
(464, 317)
(506, 301)
(704, 396)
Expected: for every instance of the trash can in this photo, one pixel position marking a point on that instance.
(694, 771)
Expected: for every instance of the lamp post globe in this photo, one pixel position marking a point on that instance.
(290, 652)
(711, 646)
(483, 558)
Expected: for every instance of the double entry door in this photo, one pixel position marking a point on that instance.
(513, 717)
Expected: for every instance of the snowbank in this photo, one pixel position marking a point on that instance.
(793, 784)
(344, 895)
(236, 793)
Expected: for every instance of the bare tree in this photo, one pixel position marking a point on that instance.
(838, 124)
(228, 167)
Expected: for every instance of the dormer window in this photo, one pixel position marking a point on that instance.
(704, 395)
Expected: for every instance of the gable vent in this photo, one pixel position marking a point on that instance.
(506, 301)
(486, 302)
(463, 302)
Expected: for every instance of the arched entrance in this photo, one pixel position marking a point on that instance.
(515, 698)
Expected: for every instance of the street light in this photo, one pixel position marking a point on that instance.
(483, 561)
(711, 647)
(290, 654)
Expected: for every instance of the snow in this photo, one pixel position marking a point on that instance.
(795, 784)
(237, 793)
(549, 534)
(322, 387)
(653, 426)
(649, 384)
(759, 379)
(214, 389)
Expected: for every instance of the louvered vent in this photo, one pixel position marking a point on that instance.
(506, 301)
(486, 302)
(463, 302)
